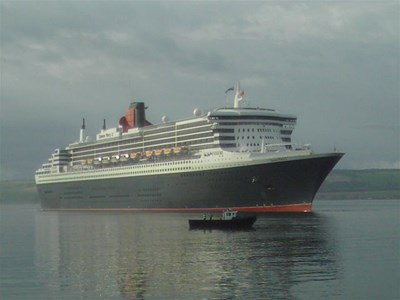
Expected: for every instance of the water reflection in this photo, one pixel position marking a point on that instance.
(287, 253)
(147, 256)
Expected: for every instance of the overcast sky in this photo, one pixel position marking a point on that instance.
(334, 64)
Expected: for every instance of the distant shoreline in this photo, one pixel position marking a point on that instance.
(361, 184)
(340, 185)
(367, 195)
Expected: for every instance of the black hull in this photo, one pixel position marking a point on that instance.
(288, 185)
(238, 223)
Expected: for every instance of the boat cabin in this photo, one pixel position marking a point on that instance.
(229, 215)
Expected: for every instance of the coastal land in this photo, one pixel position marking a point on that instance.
(361, 184)
(340, 185)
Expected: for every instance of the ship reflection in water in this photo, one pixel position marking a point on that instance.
(147, 256)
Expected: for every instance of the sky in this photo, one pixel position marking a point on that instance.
(334, 64)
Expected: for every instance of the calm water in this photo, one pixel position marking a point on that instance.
(345, 250)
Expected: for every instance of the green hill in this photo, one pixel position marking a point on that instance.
(361, 184)
(18, 191)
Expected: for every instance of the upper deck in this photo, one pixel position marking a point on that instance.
(235, 129)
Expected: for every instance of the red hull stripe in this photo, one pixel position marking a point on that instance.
(306, 207)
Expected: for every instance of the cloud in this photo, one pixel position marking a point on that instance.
(289, 22)
(334, 64)
(383, 126)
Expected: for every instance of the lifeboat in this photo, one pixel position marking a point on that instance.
(168, 151)
(105, 159)
(97, 160)
(124, 157)
(89, 161)
(135, 155)
(177, 150)
(149, 153)
(115, 158)
(159, 152)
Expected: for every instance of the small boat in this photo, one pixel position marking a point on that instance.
(229, 220)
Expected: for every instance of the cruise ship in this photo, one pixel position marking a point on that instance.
(237, 157)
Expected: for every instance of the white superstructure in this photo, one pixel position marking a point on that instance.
(221, 138)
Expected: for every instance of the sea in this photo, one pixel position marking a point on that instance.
(345, 249)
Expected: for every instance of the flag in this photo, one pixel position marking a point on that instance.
(230, 89)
